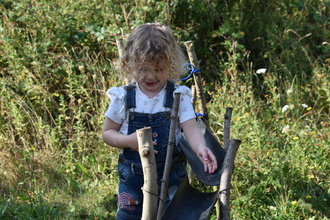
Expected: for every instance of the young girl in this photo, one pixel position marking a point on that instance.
(153, 59)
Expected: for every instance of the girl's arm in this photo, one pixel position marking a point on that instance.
(111, 136)
(196, 140)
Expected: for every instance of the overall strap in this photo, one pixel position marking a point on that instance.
(169, 94)
(130, 97)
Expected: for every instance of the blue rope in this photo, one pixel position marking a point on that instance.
(192, 68)
(200, 114)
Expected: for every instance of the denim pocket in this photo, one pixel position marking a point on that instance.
(124, 171)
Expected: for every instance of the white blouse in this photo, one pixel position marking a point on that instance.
(117, 111)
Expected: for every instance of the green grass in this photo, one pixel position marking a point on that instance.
(279, 174)
(57, 61)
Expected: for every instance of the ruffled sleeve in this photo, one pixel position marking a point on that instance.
(184, 90)
(186, 110)
(117, 108)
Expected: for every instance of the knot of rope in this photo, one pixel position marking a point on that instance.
(192, 69)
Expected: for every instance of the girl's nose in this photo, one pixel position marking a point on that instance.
(150, 75)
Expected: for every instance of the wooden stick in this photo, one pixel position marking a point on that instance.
(226, 141)
(217, 204)
(120, 47)
(227, 171)
(121, 50)
(150, 186)
(191, 174)
(169, 154)
(226, 135)
(169, 13)
(202, 102)
(193, 93)
(198, 82)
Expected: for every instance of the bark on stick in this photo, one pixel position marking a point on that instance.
(150, 187)
(226, 136)
(227, 171)
(226, 141)
(191, 174)
(169, 154)
(121, 50)
(198, 82)
(120, 47)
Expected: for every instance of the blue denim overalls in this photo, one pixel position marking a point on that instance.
(130, 196)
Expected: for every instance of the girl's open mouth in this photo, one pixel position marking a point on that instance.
(150, 83)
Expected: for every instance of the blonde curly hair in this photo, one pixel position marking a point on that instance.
(152, 42)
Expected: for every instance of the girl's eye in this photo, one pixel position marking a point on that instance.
(142, 69)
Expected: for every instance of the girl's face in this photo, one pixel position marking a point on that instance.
(151, 77)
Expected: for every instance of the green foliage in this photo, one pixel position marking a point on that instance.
(281, 166)
(57, 60)
(252, 34)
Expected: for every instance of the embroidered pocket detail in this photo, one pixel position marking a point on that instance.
(126, 201)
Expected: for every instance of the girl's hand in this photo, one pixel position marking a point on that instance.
(208, 159)
(133, 142)
(112, 136)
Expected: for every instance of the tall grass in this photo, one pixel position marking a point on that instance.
(57, 61)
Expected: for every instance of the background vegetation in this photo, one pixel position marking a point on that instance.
(57, 61)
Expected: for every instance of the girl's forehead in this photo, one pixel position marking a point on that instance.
(152, 64)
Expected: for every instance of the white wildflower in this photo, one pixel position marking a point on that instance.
(286, 129)
(262, 70)
(285, 108)
(302, 133)
(304, 105)
(289, 91)
(272, 207)
(81, 69)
